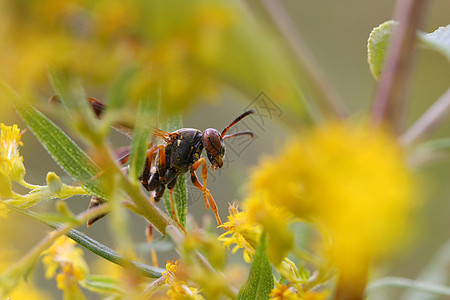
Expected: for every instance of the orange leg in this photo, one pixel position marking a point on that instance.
(149, 234)
(198, 185)
(172, 210)
(209, 200)
(198, 163)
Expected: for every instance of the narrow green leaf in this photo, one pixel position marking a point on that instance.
(141, 136)
(179, 199)
(102, 284)
(62, 148)
(180, 190)
(260, 280)
(377, 45)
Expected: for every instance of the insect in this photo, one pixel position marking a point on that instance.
(181, 153)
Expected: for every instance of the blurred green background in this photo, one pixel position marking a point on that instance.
(336, 33)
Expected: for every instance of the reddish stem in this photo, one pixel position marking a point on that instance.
(390, 97)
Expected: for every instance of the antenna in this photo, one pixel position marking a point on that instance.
(234, 122)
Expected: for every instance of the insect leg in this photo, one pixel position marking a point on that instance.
(162, 159)
(94, 203)
(198, 185)
(206, 193)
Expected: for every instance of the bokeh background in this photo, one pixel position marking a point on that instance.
(336, 33)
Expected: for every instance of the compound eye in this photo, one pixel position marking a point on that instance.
(212, 140)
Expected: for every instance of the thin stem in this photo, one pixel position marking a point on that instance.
(94, 246)
(27, 261)
(321, 88)
(149, 211)
(153, 287)
(427, 287)
(390, 97)
(429, 121)
(29, 185)
(178, 239)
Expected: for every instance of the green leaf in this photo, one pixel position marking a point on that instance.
(102, 284)
(62, 148)
(260, 280)
(377, 45)
(141, 136)
(180, 190)
(438, 40)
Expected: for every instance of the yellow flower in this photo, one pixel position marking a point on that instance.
(171, 270)
(284, 292)
(65, 255)
(275, 221)
(10, 160)
(5, 188)
(242, 232)
(352, 182)
(179, 290)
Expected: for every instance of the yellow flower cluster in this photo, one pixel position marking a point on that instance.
(65, 255)
(352, 182)
(179, 290)
(284, 292)
(11, 163)
(171, 269)
(242, 232)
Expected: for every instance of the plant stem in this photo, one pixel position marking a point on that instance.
(390, 97)
(153, 287)
(149, 211)
(8, 280)
(178, 239)
(321, 88)
(429, 121)
(94, 246)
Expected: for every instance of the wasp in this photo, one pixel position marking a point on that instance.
(180, 153)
